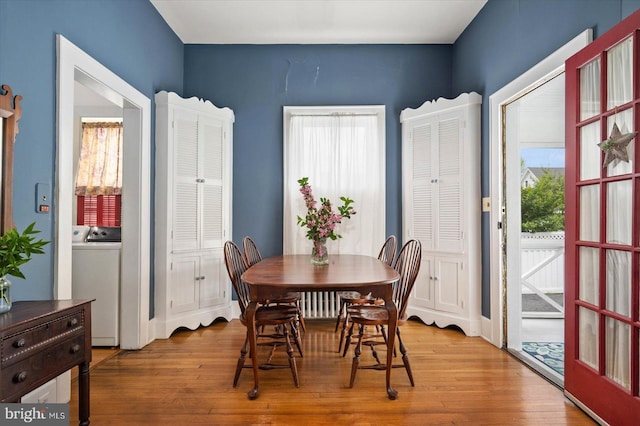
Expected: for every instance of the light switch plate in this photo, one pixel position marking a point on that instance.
(486, 204)
(43, 197)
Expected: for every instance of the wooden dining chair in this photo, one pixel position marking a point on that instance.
(252, 256)
(407, 265)
(279, 316)
(251, 253)
(347, 298)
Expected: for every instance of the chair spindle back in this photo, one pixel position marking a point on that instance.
(251, 253)
(388, 251)
(407, 265)
(236, 265)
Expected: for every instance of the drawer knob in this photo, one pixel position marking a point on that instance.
(20, 377)
(19, 343)
(73, 322)
(75, 348)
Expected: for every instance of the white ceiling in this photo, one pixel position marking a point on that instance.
(318, 21)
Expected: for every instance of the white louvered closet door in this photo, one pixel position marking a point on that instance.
(420, 214)
(441, 209)
(422, 181)
(212, 181)
(185, 207)
(448, 185)
(194, 143)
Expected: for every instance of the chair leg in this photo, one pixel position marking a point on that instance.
(301, 321)
(345, 325)
(339, 318)
(405, 357)
(296, 338)
(356, 355)
(240, 365)
(384, 337)
(347, 340)
(292, 360)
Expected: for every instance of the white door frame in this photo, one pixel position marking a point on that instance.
(74, 64)
(552, 65)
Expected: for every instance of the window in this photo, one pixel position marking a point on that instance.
(99, 175)
(342, 152)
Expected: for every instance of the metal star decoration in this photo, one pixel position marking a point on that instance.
(615, 148)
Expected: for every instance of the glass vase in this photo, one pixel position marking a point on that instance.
(319, 254)
(5, 294)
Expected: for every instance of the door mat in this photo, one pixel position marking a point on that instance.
(550, 354)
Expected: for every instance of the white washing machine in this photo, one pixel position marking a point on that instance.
(96, 275)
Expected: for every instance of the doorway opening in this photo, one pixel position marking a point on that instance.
(506, 184)
(76, 66)
(533, 151)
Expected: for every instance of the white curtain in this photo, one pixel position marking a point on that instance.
(618, 338)
(342, 155)
(590, 89)
(618, 224)
(620, 74)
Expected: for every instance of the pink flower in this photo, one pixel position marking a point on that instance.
(321, 223)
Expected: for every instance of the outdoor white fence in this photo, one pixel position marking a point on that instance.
(542, 264)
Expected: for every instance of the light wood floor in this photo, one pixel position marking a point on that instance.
(187, 380)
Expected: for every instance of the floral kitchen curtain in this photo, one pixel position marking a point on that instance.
(100, 164)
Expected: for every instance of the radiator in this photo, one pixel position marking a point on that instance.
(324, 304)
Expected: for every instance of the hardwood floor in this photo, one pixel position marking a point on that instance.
(187, 380)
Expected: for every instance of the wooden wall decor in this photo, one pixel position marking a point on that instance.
(10, 112)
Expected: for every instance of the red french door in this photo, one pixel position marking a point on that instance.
(603, 225)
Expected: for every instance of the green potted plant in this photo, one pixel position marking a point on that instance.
(16, 250)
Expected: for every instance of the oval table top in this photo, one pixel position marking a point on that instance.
(342, 270)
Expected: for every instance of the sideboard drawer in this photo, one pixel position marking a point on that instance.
(21, 376)
(41, 339)
(13, 347)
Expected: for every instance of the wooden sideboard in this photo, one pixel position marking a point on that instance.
(39, 340)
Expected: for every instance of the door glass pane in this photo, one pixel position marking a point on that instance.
(619, 281)
(588, 337)
(619, 202)
(590, 164)
(590, 213)
(624, 120)
(590, 89)
(618, 352)
(589, 273)
(619, 74)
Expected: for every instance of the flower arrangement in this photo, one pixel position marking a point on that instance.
(321, 222)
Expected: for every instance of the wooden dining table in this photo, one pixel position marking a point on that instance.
(272, 278)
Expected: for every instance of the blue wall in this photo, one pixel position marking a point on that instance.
(256, 81)
(506, 39)
(128, 37)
